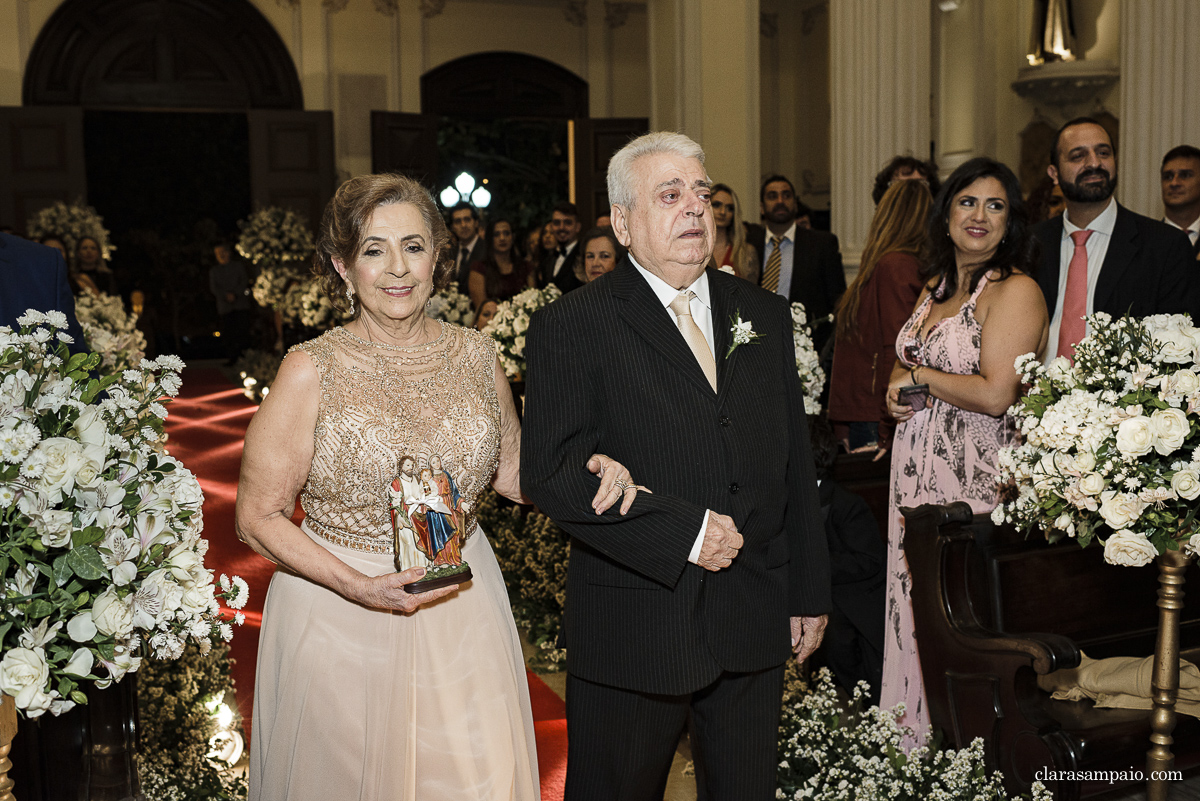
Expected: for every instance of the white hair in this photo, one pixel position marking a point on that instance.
(621, 190)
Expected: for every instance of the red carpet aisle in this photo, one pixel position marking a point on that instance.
(207, 424)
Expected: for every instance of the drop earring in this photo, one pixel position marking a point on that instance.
(350, 299)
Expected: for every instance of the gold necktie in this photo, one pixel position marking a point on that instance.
(770, 276)
(694, 336)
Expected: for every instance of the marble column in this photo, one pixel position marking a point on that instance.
(1159, 108)
(714, 100)
(881, 67)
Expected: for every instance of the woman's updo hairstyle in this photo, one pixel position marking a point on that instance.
(343, 228)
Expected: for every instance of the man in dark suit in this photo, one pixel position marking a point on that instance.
(464, 222)
(558, 265)
(696, 598)
(33, 276)
(1099, 256)
(808, 267)
(1181, 192)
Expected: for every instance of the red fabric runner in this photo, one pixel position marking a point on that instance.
(207, 425)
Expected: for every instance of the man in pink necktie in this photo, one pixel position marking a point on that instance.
(1099, 256)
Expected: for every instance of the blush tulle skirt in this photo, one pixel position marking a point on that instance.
(357, 703)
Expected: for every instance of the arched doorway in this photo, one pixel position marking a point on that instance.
(503, 85)
(160, 53)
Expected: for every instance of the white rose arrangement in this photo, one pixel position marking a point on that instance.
(1111, 443)
(452, 306)
(808, 362)
(71, 222)
(101, 558)
(110, 331)
(279, 242)
(511, 322)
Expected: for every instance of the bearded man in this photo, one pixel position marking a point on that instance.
(1099, 256)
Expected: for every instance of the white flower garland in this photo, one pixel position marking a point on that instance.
(511, 322)
(110, 331)
(808, 362)
(452, 306)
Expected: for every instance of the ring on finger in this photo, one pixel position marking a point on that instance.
(623, 484)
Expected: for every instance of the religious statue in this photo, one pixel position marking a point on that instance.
(428, 529)
(1053, 34)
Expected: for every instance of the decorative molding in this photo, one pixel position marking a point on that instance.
(810, 15)
(768, 24)
(431, 8)
(615, 14)
(1066, 83)
(576, 12)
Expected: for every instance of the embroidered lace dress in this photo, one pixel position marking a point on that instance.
(359, 703)
(941, 454)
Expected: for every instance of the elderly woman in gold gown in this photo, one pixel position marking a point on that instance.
(364, 690)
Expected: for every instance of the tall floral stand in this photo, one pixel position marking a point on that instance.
(1171, 568)
(8, 730)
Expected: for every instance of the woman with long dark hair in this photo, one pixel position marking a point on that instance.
(954, 381)
(502, 273)
(872, 310)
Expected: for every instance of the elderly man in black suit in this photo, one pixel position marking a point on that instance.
(1099, 256)
(696, 598)
(797, 262)
(33, 276)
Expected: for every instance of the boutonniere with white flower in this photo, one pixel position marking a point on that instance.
(743, 333)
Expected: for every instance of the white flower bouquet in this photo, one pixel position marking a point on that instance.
(808, 362)
(315, 308)
(452, 306)
(1110, 443)
(72, 222)
(834, 751)
(110, 331)
(278, 241)
(101, 558)
(511, 322)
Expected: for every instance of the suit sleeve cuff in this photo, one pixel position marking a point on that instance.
(694, 556)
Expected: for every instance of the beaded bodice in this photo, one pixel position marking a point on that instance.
(380, 404)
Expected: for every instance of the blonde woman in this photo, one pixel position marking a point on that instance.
(873, 309)
(730, 246)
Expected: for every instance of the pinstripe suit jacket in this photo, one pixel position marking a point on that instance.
(609, 372)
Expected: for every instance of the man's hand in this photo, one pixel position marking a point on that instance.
(807, 633)
(721, 543)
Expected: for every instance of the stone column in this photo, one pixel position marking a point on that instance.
(1159, 108)
(880, 65)
(704, 82)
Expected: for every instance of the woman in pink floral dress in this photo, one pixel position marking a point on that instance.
(979, 311)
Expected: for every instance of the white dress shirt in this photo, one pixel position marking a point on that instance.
(1192, 230)
(701, 308)
(562, 257)
(787, 248)
(1097, 248)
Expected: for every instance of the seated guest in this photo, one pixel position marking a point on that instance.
(853, 645)
(1181, 191)
(500, 274)
(1099, 256)
(873, 309)
(730, 247)
(485, 314)
(905, 168)
(978, 312)
(601, 252)
(55, 241)
(90, 272)
(558, 265)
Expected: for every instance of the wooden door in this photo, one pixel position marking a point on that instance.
(595, 142)
(41, 160)
(405, 143)
(291, 160)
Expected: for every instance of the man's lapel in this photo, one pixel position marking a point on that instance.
(1120, 255)
(641, 310)
(724, 294)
